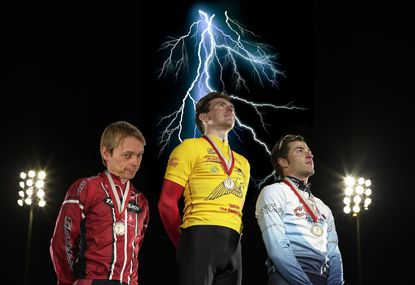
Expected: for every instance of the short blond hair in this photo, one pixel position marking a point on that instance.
(115, 132)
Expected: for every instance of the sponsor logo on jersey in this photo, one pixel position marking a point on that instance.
(132, 206)
(268, 209)
(299, 211)
(211, 151)
(214, 169)
(220, 190)
(81, 186)
(108, 201)
(67, 223)
(173, 161)
(212, 158)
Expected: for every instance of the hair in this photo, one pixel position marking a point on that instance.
(281, 149)
(116, 132)
(203, 106)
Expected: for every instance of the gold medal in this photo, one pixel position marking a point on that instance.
(228, 165)
(228, 183)
(316, 230)
(119, 228)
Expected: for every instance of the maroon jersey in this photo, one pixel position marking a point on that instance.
(92, 239)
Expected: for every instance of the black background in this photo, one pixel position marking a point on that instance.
(69, 70)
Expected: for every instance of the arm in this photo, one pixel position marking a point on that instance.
(63, 248)
(270, 210)
(146, 214)
(335, 260)
(169, 211)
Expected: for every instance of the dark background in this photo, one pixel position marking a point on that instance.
(69, 70)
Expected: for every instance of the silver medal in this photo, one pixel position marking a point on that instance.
(119, 228)
(316, 230)
(228, 183)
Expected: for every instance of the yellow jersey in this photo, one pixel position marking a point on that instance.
(211, 196)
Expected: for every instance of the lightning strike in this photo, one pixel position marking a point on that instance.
(216, 52)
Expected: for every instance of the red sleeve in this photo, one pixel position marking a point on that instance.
(171, 193)
(63, 248)
(146, 214)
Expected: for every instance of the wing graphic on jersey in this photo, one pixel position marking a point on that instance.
(220, 190)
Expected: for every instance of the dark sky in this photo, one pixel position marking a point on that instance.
(68, 71)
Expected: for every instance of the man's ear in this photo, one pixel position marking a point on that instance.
(282, 162)
(203, 117)
(105, 153)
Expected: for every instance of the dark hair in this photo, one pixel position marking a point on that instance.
(203, 106)
(281, 149)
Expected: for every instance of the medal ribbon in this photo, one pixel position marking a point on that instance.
(310, 210)
(121, 205)
(228, 165)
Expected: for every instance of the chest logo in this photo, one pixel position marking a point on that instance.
(222, 190)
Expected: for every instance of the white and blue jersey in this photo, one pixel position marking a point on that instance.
(291, 246)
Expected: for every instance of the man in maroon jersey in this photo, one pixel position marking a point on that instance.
(103, 219)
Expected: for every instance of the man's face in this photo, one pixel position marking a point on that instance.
(300, 162)
(221, 115)
(126, 158)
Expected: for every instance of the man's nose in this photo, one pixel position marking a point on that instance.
(137, 160)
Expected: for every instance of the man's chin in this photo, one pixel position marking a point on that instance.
(129, 174)
(231, 125)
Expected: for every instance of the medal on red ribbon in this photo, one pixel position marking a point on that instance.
(228, 165)
(315, 229)
(119, 228)
(120, 205)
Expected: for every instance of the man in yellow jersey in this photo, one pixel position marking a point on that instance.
(213, 180)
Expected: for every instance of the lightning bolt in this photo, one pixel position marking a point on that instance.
(217, 53)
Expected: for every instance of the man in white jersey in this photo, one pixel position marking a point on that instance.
(297, 228)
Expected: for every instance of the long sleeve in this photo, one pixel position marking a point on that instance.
(169, 211)
(146, 218)
(63, 248)
(270, 211)
(335, 260)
